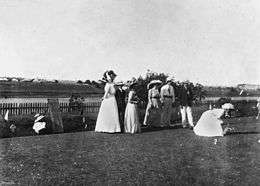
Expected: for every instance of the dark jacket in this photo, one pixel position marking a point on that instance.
(186, 96)
(120, 99)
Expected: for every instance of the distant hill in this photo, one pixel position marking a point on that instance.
(240, 90)
(22, 87)
(46, 89)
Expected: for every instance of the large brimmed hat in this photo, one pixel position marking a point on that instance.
(154, 82)
(111, 72)
(227, 106)
(39, 118)
(120, 83)
(132, 84)
(186, 82)
(169, 79)
(108, 73)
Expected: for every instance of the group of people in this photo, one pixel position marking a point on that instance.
(114, 115)
(159, 108)
(118, 115)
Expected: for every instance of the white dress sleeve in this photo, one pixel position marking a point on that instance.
(107, 90)
(217, 112)
(130, 95)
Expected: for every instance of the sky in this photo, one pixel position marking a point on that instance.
(213, 42)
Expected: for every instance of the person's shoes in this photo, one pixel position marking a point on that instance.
(147, 126)
(228, 130)
(184, 126)
(191, 127)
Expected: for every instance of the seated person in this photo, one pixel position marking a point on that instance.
(41, 124)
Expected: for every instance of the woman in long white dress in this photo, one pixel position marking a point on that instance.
(209, 123)
(108, 119)
(131, 121)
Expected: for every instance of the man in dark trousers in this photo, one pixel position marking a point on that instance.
(121, 103)
(186, 98)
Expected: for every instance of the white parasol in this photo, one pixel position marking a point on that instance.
(227, 106)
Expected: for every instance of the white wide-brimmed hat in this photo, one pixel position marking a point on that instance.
(171, 79)
(154, 82)
(227, 106)
(39, 118)
(186, 82)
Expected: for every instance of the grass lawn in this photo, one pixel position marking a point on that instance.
(162, 157)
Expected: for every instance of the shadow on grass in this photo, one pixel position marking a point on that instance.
(245, 132)
(152, 129)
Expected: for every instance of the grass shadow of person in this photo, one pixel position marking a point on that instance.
(153, 129)
(245, 132)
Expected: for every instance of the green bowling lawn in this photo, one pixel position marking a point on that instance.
(160, 157)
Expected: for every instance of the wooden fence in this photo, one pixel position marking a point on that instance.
(32, 108)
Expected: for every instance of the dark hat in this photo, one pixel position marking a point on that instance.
(111, 72)
(132, 84)
(108, 73)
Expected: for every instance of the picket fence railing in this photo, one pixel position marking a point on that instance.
(32, 108)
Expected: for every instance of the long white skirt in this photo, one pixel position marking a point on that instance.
(108, 119)
(209, 124)
(131, 121)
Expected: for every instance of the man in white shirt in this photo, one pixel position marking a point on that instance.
(167, 99)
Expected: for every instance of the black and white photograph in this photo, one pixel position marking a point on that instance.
(130, 92)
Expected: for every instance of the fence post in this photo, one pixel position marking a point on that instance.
(55, 113)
